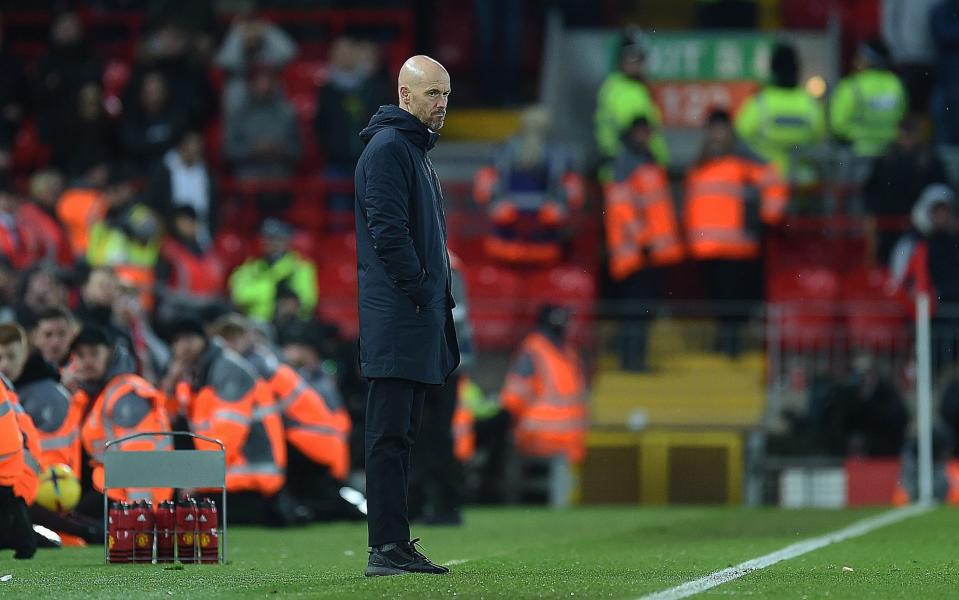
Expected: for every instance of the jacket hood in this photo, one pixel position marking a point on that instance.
(390, 116)
(37, 369)
(932, 195)
(121, 363)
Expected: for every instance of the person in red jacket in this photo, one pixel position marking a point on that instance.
(189, 269)
(39, 217)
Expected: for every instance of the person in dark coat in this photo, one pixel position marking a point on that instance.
(407, 338)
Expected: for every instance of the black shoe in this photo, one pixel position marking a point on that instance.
(396, 559)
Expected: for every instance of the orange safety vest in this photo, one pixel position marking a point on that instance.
(464, 438)
(549, 405)
(11, 439)
(196, 275)
(900, 497)
(641, 224)
(108, 420)
(315, 428)
(62, 444)
(714, 213)
(29, 480)
(78, 209)
(250, 428)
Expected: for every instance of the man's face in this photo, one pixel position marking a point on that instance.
(101, 289)
(91, 362)
(275, 244)
(187, 347)
(300, 356)
(52, 338)
(943, 218)
(191, 148)
(241, 343)
(633, 65)
(44, 291)
(12, 359)
(427, 100)
(719, 138)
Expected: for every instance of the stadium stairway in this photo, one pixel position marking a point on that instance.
(686, 387)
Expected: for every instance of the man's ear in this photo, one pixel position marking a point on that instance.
(405, 94)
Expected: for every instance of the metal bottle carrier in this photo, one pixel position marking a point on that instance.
(165, 469)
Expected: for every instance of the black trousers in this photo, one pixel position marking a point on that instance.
(393, 412)
(435, 482)
(15, 529)
(737, 285)
(639, 292)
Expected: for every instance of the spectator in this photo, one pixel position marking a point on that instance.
(85, 137)
(68, 65)
(14, 101)
(171, 51)
(16, 242)
(906, 168)
(80, 207)
(867, 105)
(723, 224)
(51, 331)
(39, 289)
(197, 20)
(783, 121)
(944, 21)
(39, 216)
(99, 293)
(183, 179)
(353, 90)
(624, 97)
(905, 27)
(189, 269)
(927, 260)
(251, 41)
(153, 123)
(261, 138)
(643, 238)
(306, 347)
(254, 284)
(529, 194)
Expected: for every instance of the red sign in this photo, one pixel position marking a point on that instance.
(687, 103)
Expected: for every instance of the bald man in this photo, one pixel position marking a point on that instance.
(407, 340)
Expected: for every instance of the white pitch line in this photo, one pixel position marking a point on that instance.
(728, 574)
(457, 561)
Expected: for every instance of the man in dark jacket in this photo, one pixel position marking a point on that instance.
(407, 339)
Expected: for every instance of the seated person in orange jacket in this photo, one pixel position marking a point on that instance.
(222, 397)
(19, 473)
(545, 391)
(529, 192)
(116, 403)
(316, 425)
(730, 196)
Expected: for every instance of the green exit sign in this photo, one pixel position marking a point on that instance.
(709, 57)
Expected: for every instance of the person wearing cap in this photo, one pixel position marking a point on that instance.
(253, 285)
(221, 396)
(316, 426)
(545, 391)
(642, 237)
(783, 121)
(866, 106)
(189, 268)
(116, 402)
(623, 97)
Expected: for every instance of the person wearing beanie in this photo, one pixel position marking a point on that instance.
(867, 105)
(623, 97)
(783, 121)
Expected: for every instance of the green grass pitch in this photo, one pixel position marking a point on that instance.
(538, 553)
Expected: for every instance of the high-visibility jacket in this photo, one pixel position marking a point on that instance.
(29, 480)
(716, 217)
(11, 440)
(464, 437)
(315, 425)
(778, 122)
(79, 209)
(230, 403)
(57, 419)
(133, 260)
(253, 285)
(545, 392)
(196, 275)
(127, 404)
(620, 101)
(641, 227)
(866, 109)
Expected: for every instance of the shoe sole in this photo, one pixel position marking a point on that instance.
(378, 571)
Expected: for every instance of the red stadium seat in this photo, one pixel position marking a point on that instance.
(805, 305)
(494, 302)
(875, 318)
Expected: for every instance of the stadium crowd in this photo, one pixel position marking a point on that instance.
(122, 312)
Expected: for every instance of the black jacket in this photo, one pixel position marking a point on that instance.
(406, 321)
